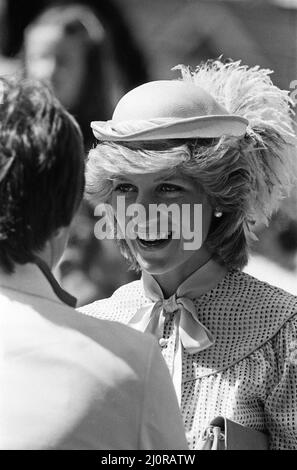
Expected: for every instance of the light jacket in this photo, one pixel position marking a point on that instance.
(69, 381)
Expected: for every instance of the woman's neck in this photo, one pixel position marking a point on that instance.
(170, 281)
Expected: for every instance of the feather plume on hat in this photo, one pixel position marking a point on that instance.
(270, 139)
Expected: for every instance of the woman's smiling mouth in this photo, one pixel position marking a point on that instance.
(153, 240)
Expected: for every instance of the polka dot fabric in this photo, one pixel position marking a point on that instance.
(249, 374)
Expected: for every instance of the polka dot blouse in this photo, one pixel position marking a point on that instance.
(249, 374)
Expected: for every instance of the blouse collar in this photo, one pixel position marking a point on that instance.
(198, 283)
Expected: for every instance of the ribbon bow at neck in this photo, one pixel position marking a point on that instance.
(190, 332)
(151, 318)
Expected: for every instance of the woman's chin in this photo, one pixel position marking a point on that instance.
(157, 262)
(156, 269)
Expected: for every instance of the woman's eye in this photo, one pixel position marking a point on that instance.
(125, 188)
(170, 188)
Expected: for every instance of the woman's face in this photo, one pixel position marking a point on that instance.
(176, 239)
(57, 59)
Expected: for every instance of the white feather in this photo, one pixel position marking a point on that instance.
(270, 143)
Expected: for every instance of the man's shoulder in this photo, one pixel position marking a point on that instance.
(118, 341)
(39, 324)
(122, 343)
(99, 366)
(109, 332)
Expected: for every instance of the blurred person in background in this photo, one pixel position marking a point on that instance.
(67, 381)
(68, 47)
(8, 66)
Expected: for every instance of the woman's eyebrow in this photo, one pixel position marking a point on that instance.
(172, 177)
(116, 179)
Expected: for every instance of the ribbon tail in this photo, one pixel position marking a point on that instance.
(177, 364)
(195, 337)
(146, 320)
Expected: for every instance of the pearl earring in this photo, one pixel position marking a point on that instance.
(218, 213)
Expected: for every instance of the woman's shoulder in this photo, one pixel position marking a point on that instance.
(252, 291)
(268, 308)
(244, 315)
(245, 301)
(120, 306)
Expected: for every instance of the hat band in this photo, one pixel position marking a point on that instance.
(214, 126)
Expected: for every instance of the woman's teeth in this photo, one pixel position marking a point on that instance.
(154, 240)
(153, 236)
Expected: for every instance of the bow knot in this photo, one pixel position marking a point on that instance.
(191, 334)
(151, 318)
(170, 305)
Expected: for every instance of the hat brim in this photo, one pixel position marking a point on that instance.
(162, 128)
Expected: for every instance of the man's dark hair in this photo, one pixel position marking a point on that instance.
(41, 169)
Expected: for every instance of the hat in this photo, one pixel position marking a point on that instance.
(169, 109)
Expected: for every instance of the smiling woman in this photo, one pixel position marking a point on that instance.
(220, 139)
(197, 165)
(159, 247)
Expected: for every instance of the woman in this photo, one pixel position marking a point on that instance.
(221, 138)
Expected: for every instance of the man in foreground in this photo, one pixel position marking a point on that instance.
(67, 381)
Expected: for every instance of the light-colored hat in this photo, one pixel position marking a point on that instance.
(169, 109)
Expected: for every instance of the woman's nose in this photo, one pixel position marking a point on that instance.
(147, 199)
